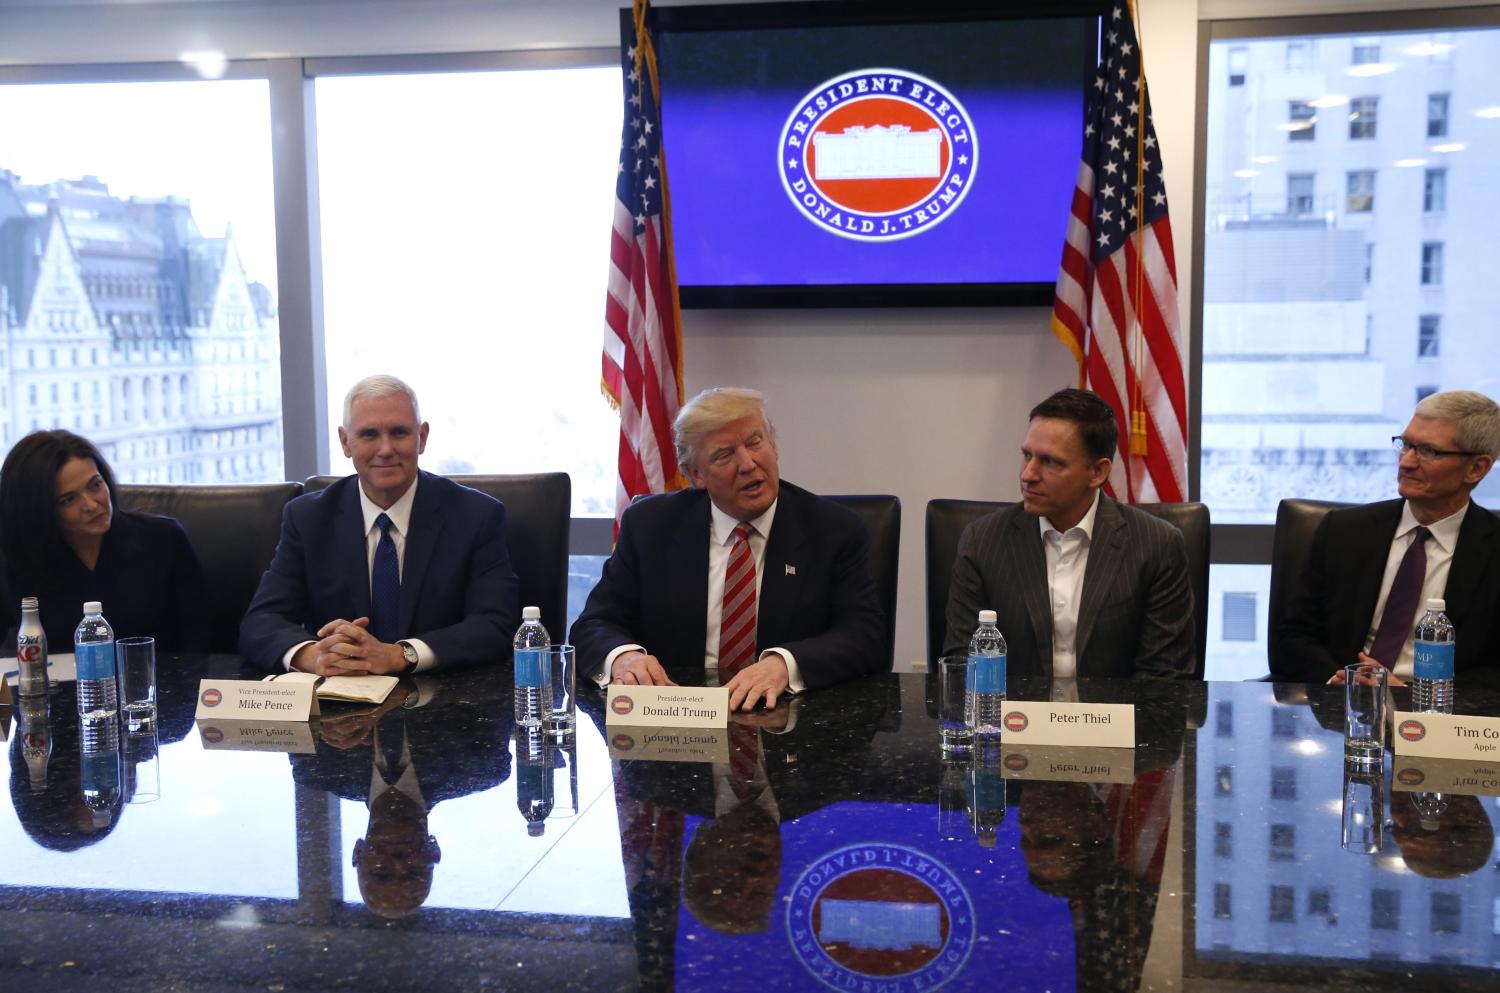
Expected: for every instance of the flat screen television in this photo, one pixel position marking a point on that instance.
(851, 154)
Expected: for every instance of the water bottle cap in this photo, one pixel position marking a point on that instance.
(93, 607)
(987, 617)
(29, 603)
(531, 613)
(536, 828)
(1437, 604)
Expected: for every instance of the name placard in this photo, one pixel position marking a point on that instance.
(669, 744)
(667, 706)
(252, 700)
(1414, 773)
(1093, 725)
(1447, 736)
(257, 736)
(1065, 764)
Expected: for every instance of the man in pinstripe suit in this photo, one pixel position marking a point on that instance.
(1083, 586)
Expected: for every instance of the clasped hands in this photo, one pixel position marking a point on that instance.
(764, 680)
(347, 648)
(1366, 665)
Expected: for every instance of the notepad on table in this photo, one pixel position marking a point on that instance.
(348, 689)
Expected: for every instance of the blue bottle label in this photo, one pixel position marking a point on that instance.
(1434, 660)
(986, 674)
(531, 668)
(95, 661)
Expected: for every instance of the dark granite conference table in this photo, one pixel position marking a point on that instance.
(422, 847)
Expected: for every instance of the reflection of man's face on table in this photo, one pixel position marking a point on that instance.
(1064, 834)
(733, 867)
(394, 859)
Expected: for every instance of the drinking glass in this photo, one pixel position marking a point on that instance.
(1364, 714)
(953, 691)
(558, 723)
(135, 663)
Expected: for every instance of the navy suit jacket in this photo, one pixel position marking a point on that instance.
(817, 599)
(1326, 624)
(458, 591)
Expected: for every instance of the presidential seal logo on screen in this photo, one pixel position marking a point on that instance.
(878, 154)
(880, 916)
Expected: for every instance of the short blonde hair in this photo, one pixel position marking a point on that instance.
(1474, 416)
(711, 410)
(380, 385)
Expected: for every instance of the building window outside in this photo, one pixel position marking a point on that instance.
(1447, 913)
(1224, 780)
(1302, 121)
(1364, 52)
(1283, 905)
(1283, 842)
(1239, 616)
(1360, 197)
(1362, 117)
(1224, 719)
(1223, 840)
(1223, 909)
(1432, 263)
(1319, 903)
(1298, 55)
(1435, 191)
(1385, 909)
(1429, 336)
(1437, 115)
(1283, 783)
(1283, 723)
(1299, 193)
(1238, 59)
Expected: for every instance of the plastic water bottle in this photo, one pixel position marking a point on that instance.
(99, 771)
(986, 679)
(986, 793)
(94, 651)
(533, 681)
(31, 651)
(534, 790)
(1432, 670)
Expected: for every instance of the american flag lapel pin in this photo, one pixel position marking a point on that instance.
(791, 570)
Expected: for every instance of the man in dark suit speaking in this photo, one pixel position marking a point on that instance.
(756, 579)
(1083, 586)
(391, 570)
(1371, 569)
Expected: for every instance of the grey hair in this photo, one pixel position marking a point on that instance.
(380, 385)
(711, 410)
(1475, 417)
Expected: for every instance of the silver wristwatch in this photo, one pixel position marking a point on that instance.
(410, 654)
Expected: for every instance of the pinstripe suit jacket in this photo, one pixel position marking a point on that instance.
(1136, 614)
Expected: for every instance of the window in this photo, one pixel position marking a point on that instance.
(1447, 913)
(1283, 783)
(1362, 117)
(1423, 392)
(1239, 58)
(1283, 723)
(1222, 908)
(1239, 616)
(1319, 903)
(1298, 55)
(1435, 191)
(1432, 263)
(1385, 909)
(1224, 719)
(1302, 121)
(1360, 197)
(1299, 193)
(1224, 780)
(1223, 840)
(1283, 842)
(1437, 115)
(1283, 905)
(1365, 52)
(1429, 336)
(490, 275)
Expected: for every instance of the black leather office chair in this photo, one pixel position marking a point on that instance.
(538, 511)
(1296, 522)
(882, 515)
(946, 520)
(233, 529)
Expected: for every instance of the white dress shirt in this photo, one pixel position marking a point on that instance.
(1067, 560)
(400, 515)
(720, 540)
(1440, 549)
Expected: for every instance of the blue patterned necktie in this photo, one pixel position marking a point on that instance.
(385, 586)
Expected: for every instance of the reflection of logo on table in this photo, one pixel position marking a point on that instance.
(213, 735)
(622, 705)
(212, 698)
(1412, 730)
(880, 912)
(1410, 777)
(623, 742)
(1016, 721)
(1016, 763)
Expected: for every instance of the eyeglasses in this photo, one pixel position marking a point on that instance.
(1424, 453)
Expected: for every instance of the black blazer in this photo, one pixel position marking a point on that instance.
(458, 592)
(817, 599)
(1325, 627)
(1135, 617)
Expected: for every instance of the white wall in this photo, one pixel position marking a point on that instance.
(920, 403)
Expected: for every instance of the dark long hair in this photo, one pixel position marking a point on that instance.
(30, 538)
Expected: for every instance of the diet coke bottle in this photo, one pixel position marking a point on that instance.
(31, 651)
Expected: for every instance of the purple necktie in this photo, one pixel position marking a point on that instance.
(1401, 604)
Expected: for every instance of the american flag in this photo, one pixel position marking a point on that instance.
(643, 327)
(1116, 301)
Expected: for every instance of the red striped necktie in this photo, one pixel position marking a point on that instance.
(737, 621)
